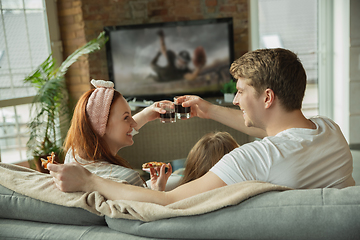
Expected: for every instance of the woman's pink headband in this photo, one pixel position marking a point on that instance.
(98, 106)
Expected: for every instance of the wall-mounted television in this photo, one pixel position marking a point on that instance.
(161, 60)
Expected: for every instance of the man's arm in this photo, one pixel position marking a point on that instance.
(73, 177)
(117, 191)
(227, 116)
(234, 119)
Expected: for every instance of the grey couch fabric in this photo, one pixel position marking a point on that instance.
(21, 230)
(295, 214)
(17, 206)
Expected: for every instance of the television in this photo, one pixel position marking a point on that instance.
(161, 60)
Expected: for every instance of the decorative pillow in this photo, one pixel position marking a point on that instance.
(16, 206)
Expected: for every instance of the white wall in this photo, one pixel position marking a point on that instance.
(354, 73)
(341, 33)
(347, 69)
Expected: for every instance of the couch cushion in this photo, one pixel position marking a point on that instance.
(18, 229)
(295, 214)
(16, 206)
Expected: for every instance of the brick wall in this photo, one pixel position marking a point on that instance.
(72, 28)
(82, 20)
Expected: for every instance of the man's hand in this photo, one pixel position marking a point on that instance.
(199, 107)
(71, 177)
(227, 116)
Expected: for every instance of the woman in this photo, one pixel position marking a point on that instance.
(102, 124)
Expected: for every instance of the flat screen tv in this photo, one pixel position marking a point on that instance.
(161, 60)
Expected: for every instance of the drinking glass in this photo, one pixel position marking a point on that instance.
(169, 116)
(181, 112)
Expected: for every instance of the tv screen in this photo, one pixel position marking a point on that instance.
(162, 60)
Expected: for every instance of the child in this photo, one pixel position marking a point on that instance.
(203, 156)
(206, 153)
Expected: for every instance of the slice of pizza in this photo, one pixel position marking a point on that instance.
(153, 165)
(50, 159)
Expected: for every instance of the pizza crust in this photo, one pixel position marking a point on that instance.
(153, 164)
(50, 159)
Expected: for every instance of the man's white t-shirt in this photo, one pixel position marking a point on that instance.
(297, 158)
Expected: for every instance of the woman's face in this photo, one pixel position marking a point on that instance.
(120, 125)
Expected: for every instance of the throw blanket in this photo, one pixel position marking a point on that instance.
(41, 186)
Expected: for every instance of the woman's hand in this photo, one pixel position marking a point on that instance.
(159, 178)
(148, 114)
(71, 177)
(153, 111)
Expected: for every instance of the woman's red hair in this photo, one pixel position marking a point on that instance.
(83, 140)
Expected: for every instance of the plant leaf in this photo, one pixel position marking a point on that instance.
(89, 47)
(50, 102)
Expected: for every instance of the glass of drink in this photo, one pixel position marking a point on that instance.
(169, 116)
(181, 112)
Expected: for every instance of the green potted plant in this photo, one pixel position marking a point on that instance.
(229, 90)
(50, 104)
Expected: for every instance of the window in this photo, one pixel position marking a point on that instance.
(24, 44)
(291, 24)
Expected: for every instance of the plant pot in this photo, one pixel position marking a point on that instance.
(229, 97)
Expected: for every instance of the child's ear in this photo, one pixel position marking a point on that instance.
(269, 97)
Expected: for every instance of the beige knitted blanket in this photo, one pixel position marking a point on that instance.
(41, 186)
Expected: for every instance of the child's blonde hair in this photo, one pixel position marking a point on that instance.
(206, 153)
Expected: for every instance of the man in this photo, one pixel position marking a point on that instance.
(296, 152)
